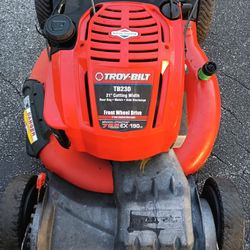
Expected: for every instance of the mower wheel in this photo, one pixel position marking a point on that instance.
(204, 18)
(43, 11)
(16, 206)
(227, 210)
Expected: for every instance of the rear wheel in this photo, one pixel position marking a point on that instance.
(227, 210)
(16, 206)
(44, 9)
(204, 18)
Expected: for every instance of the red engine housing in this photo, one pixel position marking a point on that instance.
(73, 81)
(156, 58)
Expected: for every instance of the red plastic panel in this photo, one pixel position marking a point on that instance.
(80, 169)
(70, 86)
(203, 103)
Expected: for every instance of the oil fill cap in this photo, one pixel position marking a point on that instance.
(59, 28)
(171, 10)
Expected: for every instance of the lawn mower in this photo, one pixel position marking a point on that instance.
(122, 108)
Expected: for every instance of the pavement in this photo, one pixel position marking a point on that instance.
(228, 45)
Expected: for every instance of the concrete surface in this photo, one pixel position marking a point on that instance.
(228, 45)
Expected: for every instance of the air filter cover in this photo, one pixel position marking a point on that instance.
(59, 28)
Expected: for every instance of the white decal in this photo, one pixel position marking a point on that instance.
(124, 33)
(99, 76)
(122, 76)
(26, 102)
(29, 125)
(28, 120)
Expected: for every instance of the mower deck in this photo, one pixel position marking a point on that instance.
(151, 207)
(74, 218)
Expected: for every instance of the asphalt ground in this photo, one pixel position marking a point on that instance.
(228, 45)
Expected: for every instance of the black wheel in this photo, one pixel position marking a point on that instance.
(43, 11)
(204, 18)
(16, 205)
(227, 210)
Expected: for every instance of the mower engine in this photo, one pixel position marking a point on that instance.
(122, 85)
(122, 108)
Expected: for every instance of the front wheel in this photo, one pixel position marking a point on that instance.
(16, 207)
(227, 211)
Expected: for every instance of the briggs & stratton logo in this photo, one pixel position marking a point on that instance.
(124, 33)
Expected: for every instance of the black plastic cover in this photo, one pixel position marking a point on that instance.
(33, 90)
(59, 29)
(171, 10)
(209, 68)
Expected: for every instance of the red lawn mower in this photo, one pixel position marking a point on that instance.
(122, 108)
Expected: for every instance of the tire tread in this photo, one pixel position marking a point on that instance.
(232, 215)
(11, 211)
(43, 11)
(204, 18)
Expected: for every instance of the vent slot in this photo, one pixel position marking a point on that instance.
(150, 33)
(107, 25)
(88, 100)
(140, 18)
(149, 42)
(162, 34)
(143, 51)
(105, 59)
(99, 32)
(112, 10)
(135, 11)
(143, 26)
(101, 41)
(110, 17)
(106, 50)
(158, 102)
(143, 60)
(87, 31)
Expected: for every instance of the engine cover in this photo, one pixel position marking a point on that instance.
(118, 94)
